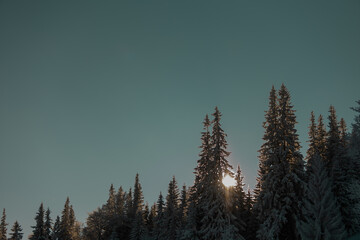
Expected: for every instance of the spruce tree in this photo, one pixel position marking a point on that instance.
(322, 217)
(3, 225)
(267, 157)
(339, 165)
(333, 143)
(271, 143)
(110, 212)
(199, 188)
(137, 226)
(354, 147)
(171, 215)
(39, 228)
(159, 220)
(120, 205)
(249, 218)
(282, 185)
(56, 231)
(128, 219)
(183, 207)
(151, 220)
(138, 199)
(48, 228)
(190, 231)
(216, 222)
(238, 204)
(354, 182)
(16, 233)
(321, 136)
(313, 141)
(146, 214)
(66, 222)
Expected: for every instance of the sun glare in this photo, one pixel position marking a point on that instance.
(228, 181)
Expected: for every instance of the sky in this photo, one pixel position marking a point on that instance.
(92, 92)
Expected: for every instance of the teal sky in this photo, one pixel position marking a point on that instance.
(93, 92)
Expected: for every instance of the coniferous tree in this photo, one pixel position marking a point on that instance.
(16, 233)
(151, 220)
(137, 227)
(66, 222)
(39, 228)
(216, 222)
(183, 207)
(279, 204)
(110, 213)
(322, 217)
(267, 158)
(238, 204)
(128, 219)
(56, 229)
(249, 218)
(159, 220)
(190, 232)
(354, 181)
(321, 136)
(333, 143)
(339, 165)
(3, 225)
(313, 141)
(145, 217)
(355, 138)
(270, 138)
(48, 227)
(199, 188)
(120, 206)
(171, 219)
(95, 225)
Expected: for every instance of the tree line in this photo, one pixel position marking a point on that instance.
(312, 197)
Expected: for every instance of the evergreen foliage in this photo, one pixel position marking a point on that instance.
(3, 225)
(321, 212)
(282, 185)
(48, 227)
(39, 228)
(16, 233)
(217, 220)
(287, 202)
(56, 229)
(171, 220)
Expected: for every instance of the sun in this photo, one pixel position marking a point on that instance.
(228, 181)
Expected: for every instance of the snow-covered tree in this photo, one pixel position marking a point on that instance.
(16, 233)
(238, 202)
(183, 207)
(322, 217)
(282, 182)
(216, 221)
(190, 232)
(270, 139)
(171, 219)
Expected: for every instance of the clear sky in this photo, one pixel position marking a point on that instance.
(92, 92)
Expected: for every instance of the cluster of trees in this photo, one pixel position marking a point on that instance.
(15, 234)
(316, 197)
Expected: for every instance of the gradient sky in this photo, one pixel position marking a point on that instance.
(93, 92)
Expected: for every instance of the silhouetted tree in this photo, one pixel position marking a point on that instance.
(16, 233)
